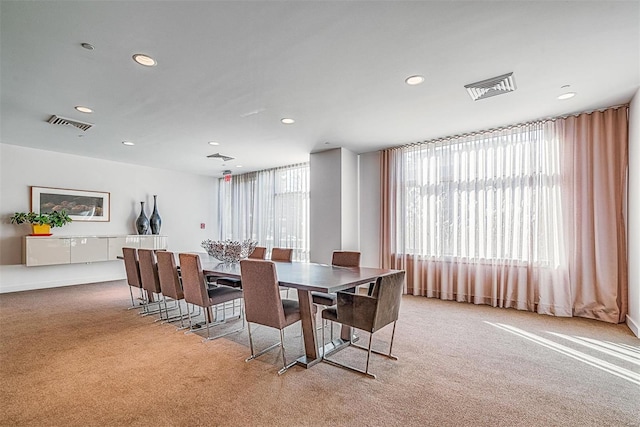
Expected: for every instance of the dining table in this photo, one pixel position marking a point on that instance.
(306, 277)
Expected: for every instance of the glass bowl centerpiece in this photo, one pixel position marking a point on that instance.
(229, 250)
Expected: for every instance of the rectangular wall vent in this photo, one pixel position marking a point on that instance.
(491, 87)
(57, 120)
(220, 156)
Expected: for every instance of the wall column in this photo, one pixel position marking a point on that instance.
(333, 203)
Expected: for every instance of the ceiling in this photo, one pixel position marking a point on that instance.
(230, 71)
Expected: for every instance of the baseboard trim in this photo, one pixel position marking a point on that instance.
(633, 326)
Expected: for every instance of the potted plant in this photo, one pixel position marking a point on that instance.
(41, 224)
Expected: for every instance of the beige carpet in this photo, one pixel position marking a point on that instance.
(75, 356)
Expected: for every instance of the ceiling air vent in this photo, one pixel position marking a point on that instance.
(57, 120)
(491, 87)
(220, 156)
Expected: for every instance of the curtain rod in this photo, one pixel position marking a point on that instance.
(295, 165)
(482, 132)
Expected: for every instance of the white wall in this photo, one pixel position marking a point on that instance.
(370, 209)
(184, 201)
(633, 232)
(349, 192)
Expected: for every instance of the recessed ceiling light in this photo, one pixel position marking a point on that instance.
(238, 166)
(287, 121)
(129, 143)
(414, 80)
(213, 143)
(145, 60)
(83, 109)
(567, 95)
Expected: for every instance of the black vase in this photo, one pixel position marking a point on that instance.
(142, 223)
(155, 219)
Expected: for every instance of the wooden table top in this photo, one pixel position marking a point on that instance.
(303, 275)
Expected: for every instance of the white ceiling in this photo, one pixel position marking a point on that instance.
(229, 71)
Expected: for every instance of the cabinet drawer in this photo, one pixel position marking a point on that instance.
(89, 249)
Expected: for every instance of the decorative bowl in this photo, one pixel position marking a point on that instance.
(229, 250)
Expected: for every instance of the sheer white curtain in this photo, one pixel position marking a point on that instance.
(479, 218)
(270, 206)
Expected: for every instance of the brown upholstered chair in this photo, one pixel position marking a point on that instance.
(132, 270)
(338, 259)
(195, 290)
(281, 254)
(368, 313)
(259, 252)
(150, 280)
(170, 283)
(263, 304)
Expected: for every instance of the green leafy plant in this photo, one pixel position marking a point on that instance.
(53, 219)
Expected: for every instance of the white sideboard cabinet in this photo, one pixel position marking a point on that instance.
(52, 250)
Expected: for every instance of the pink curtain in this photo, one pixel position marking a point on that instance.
(530, 218)
(596, 160)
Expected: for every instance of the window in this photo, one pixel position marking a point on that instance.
(270, 206)
(484, 197)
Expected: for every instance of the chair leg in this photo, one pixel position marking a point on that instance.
(133, 304)
(391, 345)
(285, 367)
(366, 368)
(140, 298)
(284, 361)
(250, 341)
(271, 347)
(322, 344)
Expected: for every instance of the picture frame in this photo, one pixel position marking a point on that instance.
(80, 205)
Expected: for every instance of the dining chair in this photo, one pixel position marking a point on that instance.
(197, 293)
(259, 252)
(368, 313)
(264, 306)
(281, 254)
(132, 270)
(338, 259)
(170, 284)
(150, 280)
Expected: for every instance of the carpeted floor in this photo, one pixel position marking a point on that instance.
(74, 356)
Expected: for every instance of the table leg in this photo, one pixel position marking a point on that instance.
(311, 356)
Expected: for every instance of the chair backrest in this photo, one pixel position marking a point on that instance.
(262, 303)
(131, 267)
(259, 252)
(388, 292)
(193, 281)
(149, 270)
(345, 259)
(281, 254)
(168, 275)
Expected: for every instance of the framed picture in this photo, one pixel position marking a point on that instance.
(80, 205)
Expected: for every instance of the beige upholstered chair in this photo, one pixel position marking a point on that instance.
(281, 254)
(259, 252)
(132, 270)
(150, 280)
(263, 304)
(368, 313)
(196, 292)
(170, 283)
